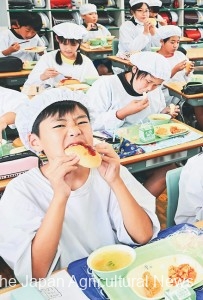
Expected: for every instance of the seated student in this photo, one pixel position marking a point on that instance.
(66, 61)
(117, 100)
(11, 100)
(190, 202)
(137, 34)
(154, 7)
(170, 39)
(120, 100)
(66, 211)
(26, 28)
(94, 30)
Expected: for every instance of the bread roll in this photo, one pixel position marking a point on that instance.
(152, 21)
(89, 157)
(172, 108)
(67, 81)
(17, 143)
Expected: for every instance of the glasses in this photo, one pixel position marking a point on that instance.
(143, 11)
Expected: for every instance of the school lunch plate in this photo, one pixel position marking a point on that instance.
(170, 130)
(29, 65)
(76, 87)
(36, 49)
(162, 274)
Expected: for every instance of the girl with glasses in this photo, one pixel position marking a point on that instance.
(137, 34)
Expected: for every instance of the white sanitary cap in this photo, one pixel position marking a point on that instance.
(152, 63)
(70, 30)
(169, 30)
(28, 113)
(87, 9)
(155, 3)
(133, 2)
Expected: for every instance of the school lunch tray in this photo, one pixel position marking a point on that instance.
(101, 290)
(131, 133)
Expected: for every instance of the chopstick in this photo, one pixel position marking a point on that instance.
(24, 42)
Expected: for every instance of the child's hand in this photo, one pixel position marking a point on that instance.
(49, 73)
(91, 26)
(110, 166)
(58, 172)
(14, 47)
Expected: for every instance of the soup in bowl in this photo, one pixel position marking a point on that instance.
(111, 262)
(159, 119)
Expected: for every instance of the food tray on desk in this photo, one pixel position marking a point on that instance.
(182, 234)
(131, 133)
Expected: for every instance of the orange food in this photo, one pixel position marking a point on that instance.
(161, 131)
(183, 272)
(175, 129)
(151, 285)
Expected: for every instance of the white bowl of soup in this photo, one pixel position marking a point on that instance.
(111, 262)
(159, 119)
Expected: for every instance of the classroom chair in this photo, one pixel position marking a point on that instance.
(172, 188)
(115, 46)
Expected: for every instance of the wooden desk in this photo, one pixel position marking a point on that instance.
(195, 53)
(175, 90)
(120, 63)
(164, 156)
(184, 39)
(95, 53)
(12, 79)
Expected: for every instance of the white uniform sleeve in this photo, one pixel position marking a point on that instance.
(99, 102)
(11, 100)
(23, 218)
(145, 199)
(131, 38)
(190, 202)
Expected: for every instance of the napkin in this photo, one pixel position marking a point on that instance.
(128, 149)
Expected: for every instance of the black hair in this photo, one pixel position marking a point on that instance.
(73, 42)
(138, 6)
(103, 61)
(61, 108)
(29, 19)
(139, 74)
(154, 9)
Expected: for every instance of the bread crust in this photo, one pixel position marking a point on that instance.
(17, 143)
(89, 157)
(152, 21)
(67, 81)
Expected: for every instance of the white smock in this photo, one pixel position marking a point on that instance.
(92, 218)
(48, 60)
(178, 77)
(11, 100)
(107, 95)
(7, 38)
(132, 39)
(92, 34)
(190, 202)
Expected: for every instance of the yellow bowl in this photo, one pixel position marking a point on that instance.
(111, 262)
(159, 119)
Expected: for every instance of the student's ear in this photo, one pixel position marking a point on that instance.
(34, 142)
(134, 69)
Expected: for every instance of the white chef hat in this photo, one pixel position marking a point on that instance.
(133, 2)
(87, 8)
(155, 3)
(168, 31)
(28, 112)
(152, 63)
(70, 30)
